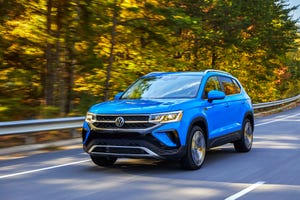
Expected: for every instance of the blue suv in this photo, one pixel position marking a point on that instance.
(171, 115)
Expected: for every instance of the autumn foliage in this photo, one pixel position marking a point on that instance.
(57, 57)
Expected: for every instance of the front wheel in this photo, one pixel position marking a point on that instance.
(245, 143)
(196, 149)
(103, 161)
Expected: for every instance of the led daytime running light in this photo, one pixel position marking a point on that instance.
(90, 117)
(166, 117)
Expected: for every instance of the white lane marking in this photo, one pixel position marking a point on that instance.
(43, 169)
(276, 120)
(291, 120)
(245, 191)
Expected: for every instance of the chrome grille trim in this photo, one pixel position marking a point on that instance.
(148, 153)
(123, 115)
(130, 120)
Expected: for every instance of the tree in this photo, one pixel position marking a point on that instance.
(61, 56)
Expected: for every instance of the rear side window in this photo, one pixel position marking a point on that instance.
(230, 85)
(237, 86)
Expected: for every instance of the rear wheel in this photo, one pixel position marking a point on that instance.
(103, 161)
(196, 149)
(245, 143)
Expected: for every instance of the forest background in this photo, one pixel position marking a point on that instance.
(58, 57)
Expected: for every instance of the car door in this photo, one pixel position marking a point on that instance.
(214, 111)
(234, 114)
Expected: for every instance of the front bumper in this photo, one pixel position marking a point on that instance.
(132, 144)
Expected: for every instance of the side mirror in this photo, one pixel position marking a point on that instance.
(117, 97)
(215, 95)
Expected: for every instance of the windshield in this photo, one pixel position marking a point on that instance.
(163, 87)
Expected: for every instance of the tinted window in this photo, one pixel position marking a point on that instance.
(229, 85)
(167, 86)
(211, 84)
(237, 86)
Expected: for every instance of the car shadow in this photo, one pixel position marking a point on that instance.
(213, 156)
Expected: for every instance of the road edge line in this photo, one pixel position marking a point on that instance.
(42, 169)
(245, 191)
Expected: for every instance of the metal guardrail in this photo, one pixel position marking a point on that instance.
(275, 103)
(31, 126)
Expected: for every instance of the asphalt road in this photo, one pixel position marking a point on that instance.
(270, 171)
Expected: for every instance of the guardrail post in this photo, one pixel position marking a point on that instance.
(30, 139)
(74, 133)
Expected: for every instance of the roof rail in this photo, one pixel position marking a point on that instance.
(153, 73)
(215, 70)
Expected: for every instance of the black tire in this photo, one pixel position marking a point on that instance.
(103, 161)
(196, 149)
(245, 143)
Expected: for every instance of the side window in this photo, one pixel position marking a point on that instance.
(229, 85)
(237, 86)
(211, 84)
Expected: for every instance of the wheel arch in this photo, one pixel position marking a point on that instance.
(249, 115)
(202, 123)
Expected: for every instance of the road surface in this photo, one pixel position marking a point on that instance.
(271, 170)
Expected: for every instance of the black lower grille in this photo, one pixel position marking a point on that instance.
(152, 145)
(118, 150)
(128, 143)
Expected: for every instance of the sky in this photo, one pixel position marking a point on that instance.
(296, 13)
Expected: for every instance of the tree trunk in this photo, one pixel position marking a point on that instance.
(111, 53)
(49, 71)
(60, 89)
(213, 58)
(69, 80)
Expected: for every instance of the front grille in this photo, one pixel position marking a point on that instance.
(126, 117)
(106, 118)
(130, 122)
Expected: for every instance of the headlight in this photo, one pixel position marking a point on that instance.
(166, 117)
(90, 117)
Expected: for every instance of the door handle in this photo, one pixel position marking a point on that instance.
(207, 108)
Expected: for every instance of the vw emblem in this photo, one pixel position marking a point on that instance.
(119, 122)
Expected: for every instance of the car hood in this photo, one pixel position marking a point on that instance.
(136, 106)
